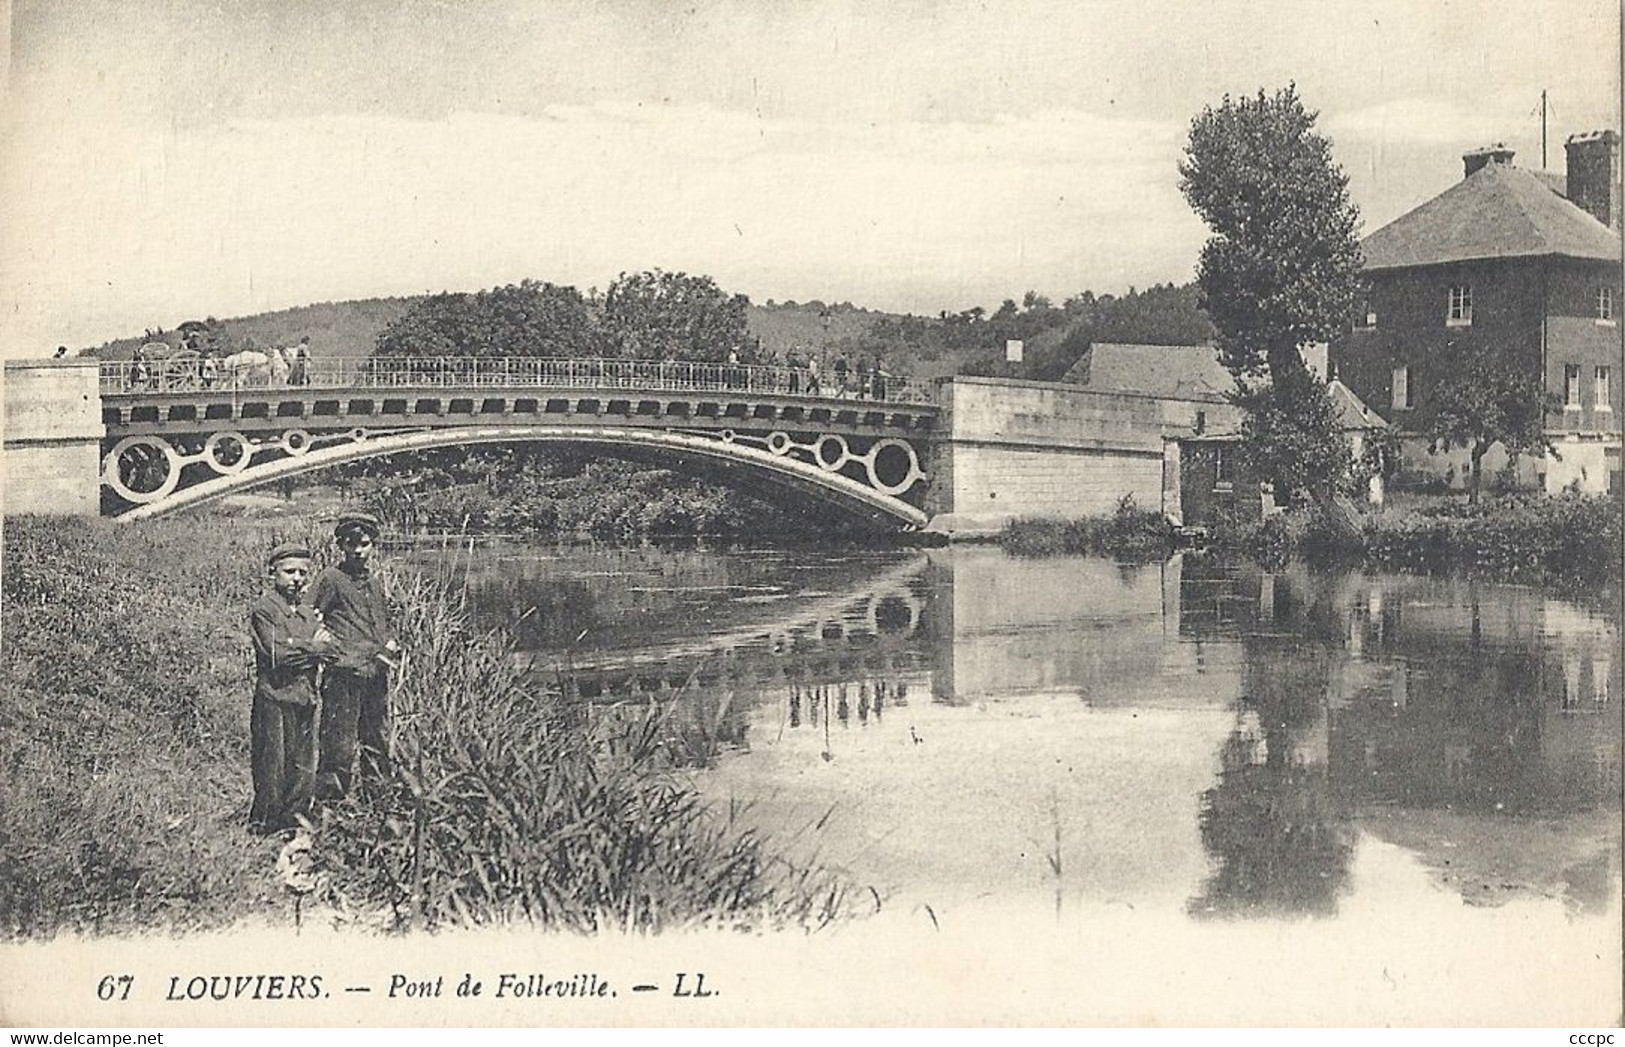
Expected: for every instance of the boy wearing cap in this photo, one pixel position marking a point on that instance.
(355, 688)
(289, 643)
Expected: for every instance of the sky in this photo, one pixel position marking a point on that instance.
(162, 160)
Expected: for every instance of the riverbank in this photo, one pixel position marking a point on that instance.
(128, 672)
(1132, 533)
(1569, 539)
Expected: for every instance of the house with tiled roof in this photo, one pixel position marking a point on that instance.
(1523, 262)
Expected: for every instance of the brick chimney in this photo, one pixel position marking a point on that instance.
(1489, 154)
(1593, 178)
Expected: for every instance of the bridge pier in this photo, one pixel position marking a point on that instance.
(1005, 448)
(53, 438)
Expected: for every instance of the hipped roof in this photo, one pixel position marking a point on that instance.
(1500, 211)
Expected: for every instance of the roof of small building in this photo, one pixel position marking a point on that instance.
(1182, 372)
(1352, 412)
(1352, 415)
(1499, 211)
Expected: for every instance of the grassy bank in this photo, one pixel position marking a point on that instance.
(1569, 539)
(1130, 533)
(124, 773)
(125, 718)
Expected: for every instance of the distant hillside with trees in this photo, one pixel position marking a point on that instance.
(343, 329)
(653, 314)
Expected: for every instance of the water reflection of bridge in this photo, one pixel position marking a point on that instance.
(873, 631)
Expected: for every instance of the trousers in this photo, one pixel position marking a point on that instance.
(355, 723)
(282, 762)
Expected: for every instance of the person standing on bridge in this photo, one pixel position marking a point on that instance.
(289, 644)
(299, 366)
(355, 688)
(140, 375)
(792, 367)
(208, 369)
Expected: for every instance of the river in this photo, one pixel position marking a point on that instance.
(1195, 742)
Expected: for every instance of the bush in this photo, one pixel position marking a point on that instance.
(529, 492)
(1571, 536)
(1130, 532)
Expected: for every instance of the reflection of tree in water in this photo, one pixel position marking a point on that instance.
(1280, 838)
(1279, 835)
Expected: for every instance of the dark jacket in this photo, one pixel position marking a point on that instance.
(286, 651)
(353, 609)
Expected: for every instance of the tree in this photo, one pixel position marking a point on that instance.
(1482, 400)
(524, 319)
(657, 315)
(1281, 270)
(1291, 435)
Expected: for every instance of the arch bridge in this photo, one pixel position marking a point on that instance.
(964, 455)
(173, 439)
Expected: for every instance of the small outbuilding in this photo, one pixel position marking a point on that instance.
(1206, 478)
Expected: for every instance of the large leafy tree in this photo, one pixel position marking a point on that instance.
(656, 315)
(1481, 399)
(1281, 270)
(529, 318)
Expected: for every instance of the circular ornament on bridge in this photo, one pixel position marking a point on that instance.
(132, 469)
(230, 466)
(728, 436)
(296, 442)
(779, 443)
(907, 470)
(358, 434)
(843, 453)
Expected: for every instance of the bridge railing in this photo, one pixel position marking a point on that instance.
(506, 372)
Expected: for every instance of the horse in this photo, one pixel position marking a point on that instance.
(253, 367)
(249, 367)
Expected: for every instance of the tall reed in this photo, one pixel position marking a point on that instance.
(511, 802)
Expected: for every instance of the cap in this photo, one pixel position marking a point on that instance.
(349, 523)
(287, 551)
